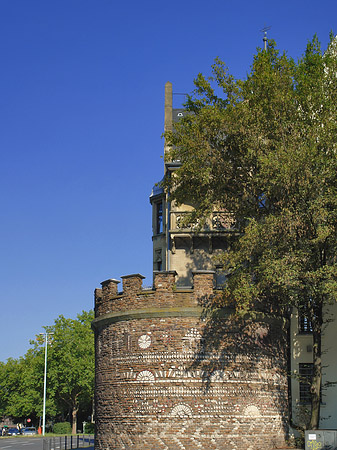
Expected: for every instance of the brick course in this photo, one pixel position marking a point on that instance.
(169, 378)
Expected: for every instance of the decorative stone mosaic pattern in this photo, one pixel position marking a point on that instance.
(144, 341)
(183, 383)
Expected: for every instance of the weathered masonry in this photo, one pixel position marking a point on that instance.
(168, 376)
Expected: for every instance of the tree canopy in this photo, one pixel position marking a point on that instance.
(70, 374)
(264, 149)
(72, 363)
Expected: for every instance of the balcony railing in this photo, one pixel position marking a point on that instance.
(218, 221)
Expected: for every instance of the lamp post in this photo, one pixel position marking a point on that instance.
(45, 381)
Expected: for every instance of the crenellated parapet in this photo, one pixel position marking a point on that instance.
(164, 294)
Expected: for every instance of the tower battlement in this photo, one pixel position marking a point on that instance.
(164, 294)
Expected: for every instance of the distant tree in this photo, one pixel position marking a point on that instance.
(2, 387)
(71, 363)
(264, 149)
(70, 374)
(21, 390)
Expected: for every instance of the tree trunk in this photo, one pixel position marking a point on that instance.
(316, 383)
(74, 420)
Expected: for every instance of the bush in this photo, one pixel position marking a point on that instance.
(62, 428)
(89, 428)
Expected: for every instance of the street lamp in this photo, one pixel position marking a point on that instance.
(45, 381)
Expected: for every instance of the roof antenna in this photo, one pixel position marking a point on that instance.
(264, 30)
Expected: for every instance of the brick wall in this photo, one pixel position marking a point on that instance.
(167, 378)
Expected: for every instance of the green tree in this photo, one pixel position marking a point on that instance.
(21, 387)
(264, 149)
(11, 376)
(70, 374)
(71, 363)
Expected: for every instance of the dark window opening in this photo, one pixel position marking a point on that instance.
(158, 260)
(305, 379)
(159, 218)
(304, 324)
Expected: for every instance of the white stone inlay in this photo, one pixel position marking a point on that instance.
(252, 411)
(181, 411)
(144, 341)
(145, 375)
(192, 334)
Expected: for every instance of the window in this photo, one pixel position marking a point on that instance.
(305, 378)
(304, 324)
(159, 217)
(158, 260)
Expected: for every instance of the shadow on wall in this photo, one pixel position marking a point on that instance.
(243, 350)
(201, 259)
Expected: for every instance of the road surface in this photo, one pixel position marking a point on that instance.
(36, 443)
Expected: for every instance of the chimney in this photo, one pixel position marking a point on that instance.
(168, 111)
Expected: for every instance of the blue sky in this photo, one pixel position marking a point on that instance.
(81, 114)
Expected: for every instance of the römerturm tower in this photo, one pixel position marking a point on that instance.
(171, 376)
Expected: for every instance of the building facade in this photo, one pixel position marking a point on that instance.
(176, 245)
(301, 367)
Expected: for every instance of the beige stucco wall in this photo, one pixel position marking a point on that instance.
(300, 345)
(329, 360)
(184, 262)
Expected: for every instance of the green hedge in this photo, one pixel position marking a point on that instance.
(62, 428)
(89, 428)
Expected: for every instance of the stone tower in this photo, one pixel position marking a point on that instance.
(173, 374)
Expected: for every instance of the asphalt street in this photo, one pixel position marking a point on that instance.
(21, 443)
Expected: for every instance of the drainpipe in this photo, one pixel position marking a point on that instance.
(168, 227)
